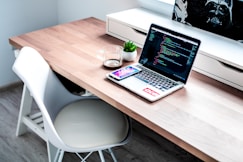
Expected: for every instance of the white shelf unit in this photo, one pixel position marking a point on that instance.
(219, 57)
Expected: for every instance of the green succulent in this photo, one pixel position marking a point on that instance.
(129, 46)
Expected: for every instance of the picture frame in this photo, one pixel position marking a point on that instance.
(223, 17)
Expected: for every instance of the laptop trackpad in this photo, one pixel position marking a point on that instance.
(141, 88)
(133, 82)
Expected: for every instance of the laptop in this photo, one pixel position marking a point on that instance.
(163, 67)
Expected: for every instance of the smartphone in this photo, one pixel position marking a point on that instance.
(124, 72)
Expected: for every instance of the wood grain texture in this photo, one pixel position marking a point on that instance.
(205, 118)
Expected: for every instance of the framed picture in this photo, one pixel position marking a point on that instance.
(224, 17)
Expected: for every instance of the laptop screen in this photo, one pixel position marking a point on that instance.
(169, 53)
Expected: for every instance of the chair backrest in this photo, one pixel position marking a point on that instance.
(47, 90)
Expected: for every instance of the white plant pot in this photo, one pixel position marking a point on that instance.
(129, 56)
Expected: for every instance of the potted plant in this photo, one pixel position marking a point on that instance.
(129, 51)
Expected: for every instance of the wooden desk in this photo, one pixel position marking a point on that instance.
(205, 118)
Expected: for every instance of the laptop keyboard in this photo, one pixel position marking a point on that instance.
(154, 79)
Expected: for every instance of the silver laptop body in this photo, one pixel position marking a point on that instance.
(166, 54)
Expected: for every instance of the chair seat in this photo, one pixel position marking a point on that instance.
(72, 123)
(91, 123)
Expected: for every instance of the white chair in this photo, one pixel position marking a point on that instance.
(72, 123)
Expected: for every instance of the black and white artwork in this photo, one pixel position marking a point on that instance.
(224, 17)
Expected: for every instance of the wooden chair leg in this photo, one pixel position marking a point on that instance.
(25, 109)
(54, 154)
(112, 155)
(101, 156)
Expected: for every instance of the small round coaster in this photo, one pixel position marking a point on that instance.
(112, 63)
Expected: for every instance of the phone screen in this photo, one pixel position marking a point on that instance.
(124, 72)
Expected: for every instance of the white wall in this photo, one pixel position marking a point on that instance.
(164, 7)
(21, 16)
(69, 10)
(17, 17)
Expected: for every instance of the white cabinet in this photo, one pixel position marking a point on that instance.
(117, 29)
(219, 70)
(219, 57)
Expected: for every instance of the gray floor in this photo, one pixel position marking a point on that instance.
(145, 145)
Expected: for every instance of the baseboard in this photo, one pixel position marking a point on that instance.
(11, 85)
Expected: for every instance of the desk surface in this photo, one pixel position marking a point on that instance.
(205, 118)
